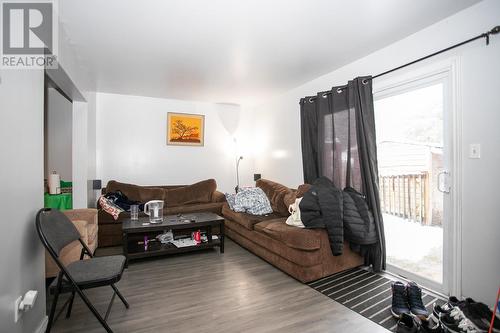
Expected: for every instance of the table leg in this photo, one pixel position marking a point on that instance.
(125, 248)
(221, 237)
(209, 234)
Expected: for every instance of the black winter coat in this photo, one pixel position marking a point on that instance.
(344, 214)
(321, 207)
(359, 226)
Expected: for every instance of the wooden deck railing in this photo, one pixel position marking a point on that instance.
(405, 196)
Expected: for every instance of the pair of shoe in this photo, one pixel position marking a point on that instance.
(457, 322)
(440, 310)
(407, 299)
(465, 316)
(480, 315)
(411, 324)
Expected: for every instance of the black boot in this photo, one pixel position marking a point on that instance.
(415, 302)
(399, 299)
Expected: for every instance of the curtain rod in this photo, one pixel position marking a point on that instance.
(486, 35)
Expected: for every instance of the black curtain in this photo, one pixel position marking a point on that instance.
(339, 142)
(309, 135)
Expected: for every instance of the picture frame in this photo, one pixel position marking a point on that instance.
(185, 129)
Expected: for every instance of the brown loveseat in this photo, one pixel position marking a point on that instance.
(303, 253)
(199, 197)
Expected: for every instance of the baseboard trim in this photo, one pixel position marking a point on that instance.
(43, 325)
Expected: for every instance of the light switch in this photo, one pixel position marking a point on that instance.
(474, 150)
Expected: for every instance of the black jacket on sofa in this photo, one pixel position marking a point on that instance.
(321, 207)
(344, 214)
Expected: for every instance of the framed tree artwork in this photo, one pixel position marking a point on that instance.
(184, 129)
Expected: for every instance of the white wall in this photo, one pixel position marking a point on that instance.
(280, 154)
(22, 256)
(131, 142)
(481, 118)
(21, 193)
(80, 154)
(92, 194)
(58, 131)
(83, 120)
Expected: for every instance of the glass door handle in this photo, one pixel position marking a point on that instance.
(442, 181)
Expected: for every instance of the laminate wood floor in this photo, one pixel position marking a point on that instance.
(210, 292)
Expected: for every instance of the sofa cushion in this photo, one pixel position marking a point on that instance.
(297, 238)
(299, 257)
(151, 193)
(214, 207)
(200, 192)
(295, 194)
(305, 266)
(133, 192)
(276, 194)
(244, 219)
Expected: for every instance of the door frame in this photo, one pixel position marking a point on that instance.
(447, 71)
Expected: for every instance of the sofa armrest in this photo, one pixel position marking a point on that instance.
(81, 226)
(70, 252)
(218, 197)
(86, 214)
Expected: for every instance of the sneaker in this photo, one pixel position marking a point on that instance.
(399, 299)
(406, 324)
(456, 322)
(480, 315)
(417, 307)
(439, 310)
(430, 326)
(410, 324)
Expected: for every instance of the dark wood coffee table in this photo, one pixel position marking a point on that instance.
(135, 231)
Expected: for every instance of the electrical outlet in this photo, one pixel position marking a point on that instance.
(474, 150)
(17, 313)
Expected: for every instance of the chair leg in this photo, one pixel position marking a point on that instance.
(70, 305)
(54, 305)
(94, 311)
(108, 311)
(120, 296)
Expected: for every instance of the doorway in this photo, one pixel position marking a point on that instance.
(58, 148)
(414, 131)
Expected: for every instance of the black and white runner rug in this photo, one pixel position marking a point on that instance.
(366, 293)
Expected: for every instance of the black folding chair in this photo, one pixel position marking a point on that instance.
(56, 231)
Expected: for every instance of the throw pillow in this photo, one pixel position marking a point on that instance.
(252, 201)
(230, 199)
(109, 207)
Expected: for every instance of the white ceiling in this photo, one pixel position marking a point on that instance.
(234, 50)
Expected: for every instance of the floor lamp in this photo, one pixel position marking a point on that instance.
(237, 188)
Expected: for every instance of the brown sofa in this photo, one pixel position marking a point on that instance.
(200, 197)
(303, 253)
(85, 220)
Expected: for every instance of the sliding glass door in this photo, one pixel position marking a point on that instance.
(413, 158)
